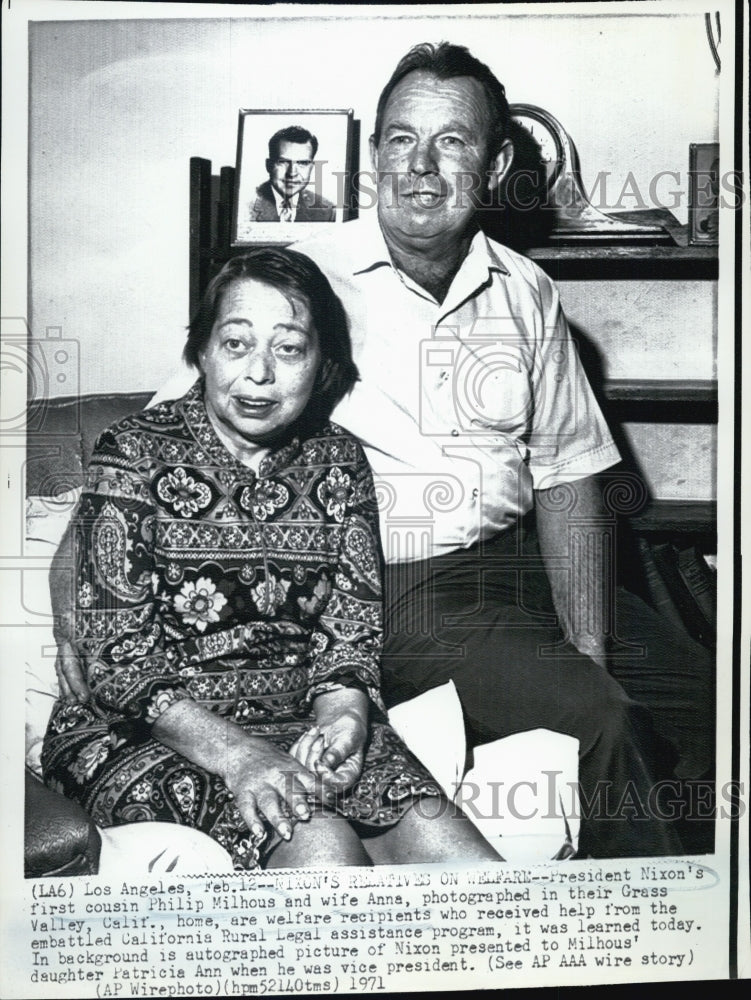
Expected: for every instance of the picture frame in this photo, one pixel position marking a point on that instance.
(313, 183)
(703, 195)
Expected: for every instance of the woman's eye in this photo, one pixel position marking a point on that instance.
(233, 343)
(291, 350)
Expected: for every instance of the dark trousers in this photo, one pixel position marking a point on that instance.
(484, 618)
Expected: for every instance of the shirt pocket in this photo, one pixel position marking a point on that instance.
(492, 389)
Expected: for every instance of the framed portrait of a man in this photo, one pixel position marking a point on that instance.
(293, 173)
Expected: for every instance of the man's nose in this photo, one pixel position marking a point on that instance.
(291, 168)
(260, 368)
(423, 159)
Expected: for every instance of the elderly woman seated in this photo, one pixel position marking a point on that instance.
(228, 604)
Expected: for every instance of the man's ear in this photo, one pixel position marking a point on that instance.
(500, 165)
(269, 166)
(373, 153)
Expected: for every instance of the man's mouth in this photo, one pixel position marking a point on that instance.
(427, 193)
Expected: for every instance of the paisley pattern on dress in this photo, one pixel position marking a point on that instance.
(248, 593)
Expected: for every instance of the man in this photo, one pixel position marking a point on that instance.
(474, 411)
(285, 197)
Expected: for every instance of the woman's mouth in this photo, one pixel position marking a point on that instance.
(254, 406)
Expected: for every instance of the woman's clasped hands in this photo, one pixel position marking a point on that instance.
(325, 760)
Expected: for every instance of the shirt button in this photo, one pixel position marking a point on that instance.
(475, 493)
(455, 433)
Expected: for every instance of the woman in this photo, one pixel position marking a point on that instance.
(229, 603)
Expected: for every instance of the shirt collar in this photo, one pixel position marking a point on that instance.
(279, 200)
(371, 251)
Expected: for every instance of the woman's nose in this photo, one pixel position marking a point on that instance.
(260, 368)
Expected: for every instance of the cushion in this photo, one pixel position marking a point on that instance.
(520, 791)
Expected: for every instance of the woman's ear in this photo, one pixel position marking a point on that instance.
(324, 372)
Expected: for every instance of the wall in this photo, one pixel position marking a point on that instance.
(119, 107)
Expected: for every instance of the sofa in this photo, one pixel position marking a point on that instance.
(61, 839)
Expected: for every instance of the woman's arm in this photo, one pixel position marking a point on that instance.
(117, 631)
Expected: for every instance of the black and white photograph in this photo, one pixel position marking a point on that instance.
(293, 167)
(704, 173)
(372, 596)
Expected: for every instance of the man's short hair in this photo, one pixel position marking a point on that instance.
(292, 133)
(446, 61)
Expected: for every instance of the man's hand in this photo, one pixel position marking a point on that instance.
(70, 671)
(70, 675)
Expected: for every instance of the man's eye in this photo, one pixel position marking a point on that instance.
(453, 141)
(233, 344)
(400, 140)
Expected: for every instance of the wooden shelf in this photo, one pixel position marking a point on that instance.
(576, 263)
(683, 516)
(661, 390)
(675, 261)
(680, 401)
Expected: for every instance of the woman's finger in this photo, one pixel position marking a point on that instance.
(301, 747)
(274, 808)
(297, 800)
(314, 753)
(248, 809)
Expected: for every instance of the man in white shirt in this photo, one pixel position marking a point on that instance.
(474, 411)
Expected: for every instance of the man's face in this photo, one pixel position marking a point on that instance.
(290, 171)
(432, 152)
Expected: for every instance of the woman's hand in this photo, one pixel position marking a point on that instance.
(264, 780)
(334, 748)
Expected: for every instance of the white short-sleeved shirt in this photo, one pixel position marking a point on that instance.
(465, 406)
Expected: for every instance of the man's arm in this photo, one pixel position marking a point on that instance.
(569, 525)
(69, 669)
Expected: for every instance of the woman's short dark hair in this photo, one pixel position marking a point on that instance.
(447, 61)
(296, 277)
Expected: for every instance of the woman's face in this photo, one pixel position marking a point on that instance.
(260, 363)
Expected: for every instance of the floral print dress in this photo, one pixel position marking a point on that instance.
(249, 593)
